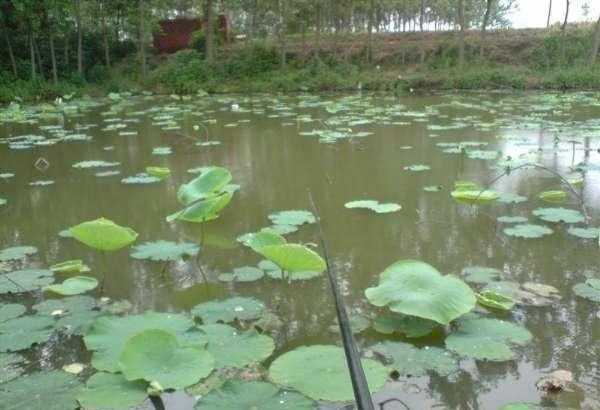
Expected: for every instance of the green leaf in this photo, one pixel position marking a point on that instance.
(273, 271)
(511, 198)
(3, 201)
(17, 252)
(103, 234)
(553, 196)
(483, 154)
(410, 326)
(229, 310)
(73, 286)
(22, 332)
(481, 274)
(242, 274)
(494, 300)
(320, 372)
(208, 184)
(25, 280)
(75, 265)
(155, 355)
(511, 219)
(585, 233)
(95, 164)
(293, 257)
(528, 231)
(164, 250)
(11, 311)
(409, 360)
(374, 206)
(294, 217)
(590, 289)
(487, 339)
(475, 196)
(54, 390)
(111, 391)
(261, 239)
(10, 367)
(203, 210)
(417, 289)
(140, 179)
(233, 348)
(158, 172)
(241, 395)
(417, 168)
(559, 215)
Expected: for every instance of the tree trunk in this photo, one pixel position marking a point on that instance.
(421, 21)
(66, 50)
(563, 34)
(52, 56)
(32, 55)
(79, 38)
(281, 33)
(486, 19)
(549, 14)
(318, 27)
(208, 23)
(141, 41)
(461, 23)
(595, 44)
(370, 32)
(40, 65)
(13, 63)
(105, 34)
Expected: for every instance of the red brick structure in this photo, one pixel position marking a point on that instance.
(175, 34)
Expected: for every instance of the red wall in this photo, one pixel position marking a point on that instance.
(175, 34)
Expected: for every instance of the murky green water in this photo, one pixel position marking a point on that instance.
(264, 146)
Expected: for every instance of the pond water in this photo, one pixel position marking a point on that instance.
(341, 149)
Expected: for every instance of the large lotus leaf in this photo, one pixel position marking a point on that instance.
(409, 360)
(10, 367)
(590, 289)
(155, 355)
(233, 348)
(17, 252)
(25, 280)
(228, 310)
(203, 210)
(103, 234)
(487, 339)
(108, 334)
(475, 196)
(511, 198)
(11, 311)
(585, 233)
(374, 206)
(164, 250)
(294, 217)
(481, 274)
(65, 305)
(55, 390)
(293, 257)
(22, 332)
(417, 289)
(410, 326)
(559, 215)
(241, 395)
(208, 184)
(242, 274)
(528, 231)
(73, 286)
(321, 373)
(494, 300)
(261, 239)
(106, 391)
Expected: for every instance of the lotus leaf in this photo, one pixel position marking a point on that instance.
(208, 184)
(164, 250)
(203, 210)
(17, 252)
(553, 196)
(511, 219)
(508, 197)
(155, 355)
(229, 309)
(243, 395)
(481, 274)
(162, 151)
(585, 233)
(10, 366)
(487, 339)
(293, 217)
(518, 294)
(374, 206)
(540, 289)
(432, 188)
(76, 265)
(261, 239)
(22, 332)
(410, 326)
(494, 300)
(280, 229)
(293, 257)
(3, 201)
(321, 373)
(243, 274)
(95, 164)
(409, 360)
(11, 311)
(415, 288)
(141, 178)
(483, 154)
(103, 234)
(528, 231)
(233, 348)
(590, 289)
(73, 286)
(60, 307)
(25, 280)
(54, 390)
(158, 172)
(475, 196)
(111, 391)
(559, 215)
(417, 168)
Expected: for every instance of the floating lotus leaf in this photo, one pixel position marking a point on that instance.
(107, 334)
(232, 348)
(475, 196)
(465, 186)
(10, 367)
(73, 286)
(487, 339)
(433, 188)
(25, 280)
(374, 206)
(164, 250)
(155, 355)
(22, 332)
(95, 164)
(541, 289)
(111, 391)
(141, 178)
(415, 288)
(590, 289)
(293, 217)
(517, 293)
(293, 257)
(162, 151)
(511, 198)
(417, 168)
(243, 274)
(280, 229)
(3, 201)
(203, 210)
(409, 360)
(483, 154)
(410, 326)
(528, 231)
(494, 300)
(208, 184)
(511, 219)
(243, 395)
(481, 274)
(41, 183)
(357, 322)
(63, 306)
(103, 234)
(55, 390)
(261, 239)
(11, 311)
(104, 174)
(273, 271)
(76, 265)
(321, 373)
(229, 309)
(17, 252)
(553, 196)
(559, 215)
(158, 172)
(585, 233)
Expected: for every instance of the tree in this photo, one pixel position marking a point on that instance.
(486, 18)
(595, 44)
(421, 22)
(461, 23)
(563, 33)
(142, 36)
(208, 31)
(79, 37)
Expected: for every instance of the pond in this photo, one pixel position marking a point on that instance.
(407, 150)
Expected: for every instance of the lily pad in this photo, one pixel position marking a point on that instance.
(54, 390)
(75, 265)
(553, 196)
(410, 326)
(585, 233)
(243, 274)
(511, 219)
(164, 250)
(293, 257)
(17, 252)
(22, 332)
(103, 234)
(417, 168)
(417, 289)
(475, 196)
(142, 178)
(158, 172)
(559, 215)
(294, 217)
(409, 360)
(229, 310)
(374, 206)
(590, 289)
(321, 373)
(481, 274)
(487, 339)
(10, 366)
(11, 311)
(433, 188)
(261, 239)
(111, 391)
(25, 280)
(243, 395)
(495, 300)
(528, 231)
(511, 198)
(155, 355)
(95, 164)
(3, 201)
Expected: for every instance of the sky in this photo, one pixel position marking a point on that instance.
(534, 13)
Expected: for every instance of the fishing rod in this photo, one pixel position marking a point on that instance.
(362, 395)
